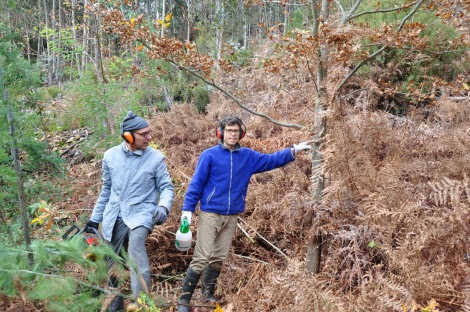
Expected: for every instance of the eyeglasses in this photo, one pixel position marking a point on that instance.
(144, 134)
(232, 131)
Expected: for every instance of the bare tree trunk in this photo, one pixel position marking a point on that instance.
(316, 15)
(188, 15)
(58, 72)
(28, 47)
(219, 11)
(162, 32)
(286, 18)
(39, 34)
(97, 60)
(54, 28)
(14, 153)
(318, 179)
(246, 27)
(107, 119)
(49, 56)
(86, 21)
(76, 56)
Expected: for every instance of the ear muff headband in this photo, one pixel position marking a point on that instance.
(221, 128)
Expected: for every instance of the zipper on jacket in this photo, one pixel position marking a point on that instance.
(210, 195)
(230, 185)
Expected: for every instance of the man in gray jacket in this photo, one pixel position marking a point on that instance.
(136, 194)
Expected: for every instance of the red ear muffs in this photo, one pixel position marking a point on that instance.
(221, 136)
(128, 137)
(220, 130)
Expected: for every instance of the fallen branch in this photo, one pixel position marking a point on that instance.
(264, 239)
(253, 259)
(245, 232)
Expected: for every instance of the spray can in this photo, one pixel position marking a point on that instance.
(183, 236)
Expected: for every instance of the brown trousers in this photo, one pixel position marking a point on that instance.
(214, 237)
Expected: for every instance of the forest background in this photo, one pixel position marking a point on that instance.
(375, 218)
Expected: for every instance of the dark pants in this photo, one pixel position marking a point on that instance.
(134, 242)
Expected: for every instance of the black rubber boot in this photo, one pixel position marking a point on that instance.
(117, 304)
(209, 280)
(189, 285)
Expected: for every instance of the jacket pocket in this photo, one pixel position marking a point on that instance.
(210, 196)
(148, 180)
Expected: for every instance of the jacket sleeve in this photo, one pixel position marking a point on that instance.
(198, 183)
(164, 186)
(97, 214)
(265, 162)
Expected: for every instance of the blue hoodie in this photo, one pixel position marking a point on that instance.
(221, 179)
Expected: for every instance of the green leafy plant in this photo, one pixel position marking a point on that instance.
(146, 304)
(67, 275)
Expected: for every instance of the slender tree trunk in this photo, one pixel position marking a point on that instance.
(58, 72)
(48, 43)
(245, 30)
(316, 15)
(28, 47)
(39, 49)
(54, 40)
(162, 32)
(86, 21)
(76, 55)
(16, 162)
(315, 247)
(188, 20)
(219, 11)
(285, 11)
(97, 60)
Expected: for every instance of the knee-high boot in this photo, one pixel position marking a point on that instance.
(189, 285)
(117, 304)
(209, 280)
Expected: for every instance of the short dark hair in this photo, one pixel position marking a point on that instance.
(229, 121)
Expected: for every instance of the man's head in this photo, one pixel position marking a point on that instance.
(135, 131)
(230, 130)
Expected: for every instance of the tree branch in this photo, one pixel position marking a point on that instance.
(268, 242)
(228, 94)
(357, 68)
(418, 4)
(409, 15)
(231, 96)
(353, 9)
(343, 12)
(379, 11)
(312, 74)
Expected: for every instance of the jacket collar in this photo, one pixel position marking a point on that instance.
(128, 151)
(237, 146)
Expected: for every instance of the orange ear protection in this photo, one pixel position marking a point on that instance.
(223, 122)
(128, 137)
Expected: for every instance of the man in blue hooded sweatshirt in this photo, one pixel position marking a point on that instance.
(137, 193)
(220, 184)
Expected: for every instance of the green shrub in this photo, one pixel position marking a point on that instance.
(201, 98)
(240, 57)
(54, 91)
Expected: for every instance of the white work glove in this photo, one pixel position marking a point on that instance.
(188, 215)
(301, 147)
